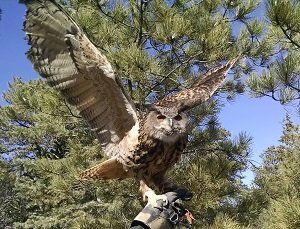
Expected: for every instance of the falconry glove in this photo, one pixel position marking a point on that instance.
(164, 212)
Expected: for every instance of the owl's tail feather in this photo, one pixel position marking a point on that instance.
(109, 169)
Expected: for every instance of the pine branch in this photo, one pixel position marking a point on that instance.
(59, 115)
(140, 31)
(272, 96)
(21, 123)
(171, 72)
(111, 17)
(255, 166)
(73, 115)
(293, 87)
(287, 35)
(208, 150)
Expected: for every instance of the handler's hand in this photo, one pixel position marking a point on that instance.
(163, 214)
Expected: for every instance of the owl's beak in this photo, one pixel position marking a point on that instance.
(171, 122)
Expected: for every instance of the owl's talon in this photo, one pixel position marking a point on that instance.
(147, 195)
(153, 199)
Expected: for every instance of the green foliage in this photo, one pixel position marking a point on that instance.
(33, 125)
(45, 145)
(275, 200)
(157, 48)
(213, 172)
(225, 222)
(49, 145)
(283, 213)
(281, 80)
(11, 207)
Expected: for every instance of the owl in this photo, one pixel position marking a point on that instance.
(138, 146)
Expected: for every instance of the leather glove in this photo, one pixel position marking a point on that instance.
(163, 212)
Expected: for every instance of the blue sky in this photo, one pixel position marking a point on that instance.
(259, 118)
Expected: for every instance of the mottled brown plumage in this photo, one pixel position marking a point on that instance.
(144, 149)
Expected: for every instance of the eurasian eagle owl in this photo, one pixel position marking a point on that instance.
(140, 146)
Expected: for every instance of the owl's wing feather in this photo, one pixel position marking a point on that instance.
(200, 91)
(69, 62)
(109, 169)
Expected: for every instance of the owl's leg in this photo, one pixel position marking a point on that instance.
(149, 194)
(145, 182)
(145, 190)
(144, 187)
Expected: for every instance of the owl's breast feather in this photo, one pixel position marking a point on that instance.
(156, 155)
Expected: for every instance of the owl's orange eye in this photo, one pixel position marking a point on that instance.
(178, 117)
(161, 117)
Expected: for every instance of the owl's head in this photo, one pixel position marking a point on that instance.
(166, 123)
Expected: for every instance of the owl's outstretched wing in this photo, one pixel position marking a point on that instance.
(200, 91)
(69, 62)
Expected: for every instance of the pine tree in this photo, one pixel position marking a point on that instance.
(279, 178)
(47, 145)
(11, 207)
(281, 79)
(157, 47)
(274, 201)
